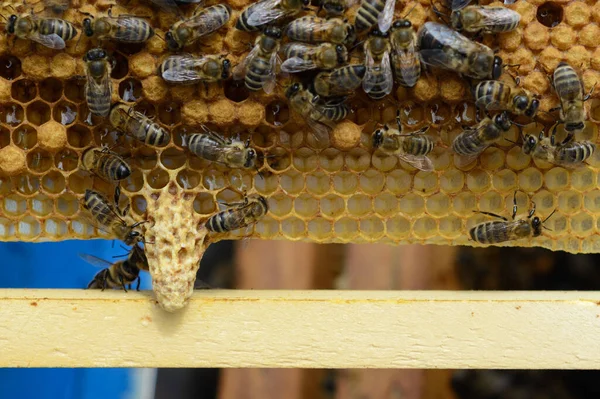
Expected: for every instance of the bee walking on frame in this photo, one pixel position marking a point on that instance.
(119, 274)
(50, 32)
(239, 215)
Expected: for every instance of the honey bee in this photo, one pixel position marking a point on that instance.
(333, 8)
(321, 117)
(124, 28)
(264, 12)
(119, 274)
(215, 148)
(484, 19)
(371, 12)
(378, 81)
(203, 22)
(442, 47)
(106, 164)
(98, 87)
(404, 58)
(460, 4)
(411, 148)
(568, 153)
(240, 215)
(187, 69)
(317, 30)
(496, 95)
(138, 125)
(339, 82)
(50, 32)
(495, 232)
(303, 57)
(109, 217)
(259, 66)
(569, 88)
(473, 141)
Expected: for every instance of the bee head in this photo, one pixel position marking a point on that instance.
(305, 3)
(497, 68)
(171, 42)
(133, 237)
(377, 138)
(87, 27)
(334, 8)
(533, 108)
(226, 69)
(342, 54)
(536, 225)
(293, 90)
(402, 23)
(377, 33)
(263, 202)
(95, 54)
(529, 144)
(503, 121)
(273, 31)
(12, 20)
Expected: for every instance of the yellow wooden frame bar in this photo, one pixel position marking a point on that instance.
(338, 329)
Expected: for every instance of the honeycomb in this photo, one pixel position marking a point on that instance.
(338, 191)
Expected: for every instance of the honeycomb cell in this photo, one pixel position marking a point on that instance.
(130, 90)
(504, 180)
(74, 90)
(267, 185)
(577, 14)
(306, 206)
(188, 179)
(591, 201)
(450, 227)
(281, 205)
(242, 180)
(425, 227)
(317, 183)
(438, 205)
(4, 137)
(172, 158)
(205, 204)
(7, 228)
(79, 181)
(134, 182)
(383, 162)
(333, 206)
(38, 113)
(39, 161)
(23, 90)
(10, 67)
(26, 184)
(320, 229)
(279, 159)
(28, 227)
(14, 205)
(516, 159)
(67, 205)
(293, 228)
(64, 113)
(11, 114)
(412, 204)
(452, 181)
(146, 108)
(214, 180)
(157, 178)
(556, 226)
(292, 182)
(372, 228)
(24, 137)
(563, 37)
(360, 111)
(492, 202)
(595, 110)
(55, 228)
(121, 66)
(277, 113)
(79, 136)
(385, 204)
(536, 36)
(478, 180)
(146, 158)
(398, 228)
(412, 114)
(345, 229)
(465, 203)
(331, 159)
(267, 228)
(169, 113)
(550, 14)
(530, 180)
(492, 159)
(582, 224)
(557, 179)
(544, 201)
(425, 182)
(357, 160)
(235, 90)
(53, 183)
(305, 160)
(6, 186)
(66, 160)
(359, 205)
(569, 202)
(583, 179)
(345, 183)
(85, 116)
(262, 137)
(51, 90)
(41, 205)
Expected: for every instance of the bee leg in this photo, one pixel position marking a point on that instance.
(398, 121)
(117, 196)
(531, 211)
(439, 14)
(514, 212)
(587, 96)
(122, 283)
(139, 280)
(492, 214)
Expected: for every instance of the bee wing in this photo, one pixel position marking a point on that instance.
(489, 103)
(494, 16)
(436, 58)
(374, 71)
(95, 261)
(265, 12)
(297, 64)
(420, 162)
(509, 1)
(386, 16)
(185, 72)
(129, 26)
(465, 160)
(460, 4)
(239, 72)
(386, 69)
(102, 87)
(270, 82)
(407, 59)
(52, 41)
(320, 130)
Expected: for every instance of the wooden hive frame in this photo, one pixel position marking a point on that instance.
(312, 199)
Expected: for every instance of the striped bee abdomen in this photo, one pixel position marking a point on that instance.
(490, 232)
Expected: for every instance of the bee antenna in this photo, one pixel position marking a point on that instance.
(409, 11)
(159, 36)
(260, 174)
(355, 46)
(3, 17)
(544, 221)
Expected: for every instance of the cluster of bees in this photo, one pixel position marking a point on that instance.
(318, 53)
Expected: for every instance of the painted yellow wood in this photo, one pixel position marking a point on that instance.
(340, 329)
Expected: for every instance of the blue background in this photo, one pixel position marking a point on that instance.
(58, 265)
